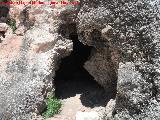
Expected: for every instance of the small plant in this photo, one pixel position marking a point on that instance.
(53, 107)
(12, 23)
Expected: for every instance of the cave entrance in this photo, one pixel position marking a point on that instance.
(4, 10)
(72, 79)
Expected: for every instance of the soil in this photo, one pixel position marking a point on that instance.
(79, 92)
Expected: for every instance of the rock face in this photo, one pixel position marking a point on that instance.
(124, 60)
(91, 23)
(125, 35)
(28, 64)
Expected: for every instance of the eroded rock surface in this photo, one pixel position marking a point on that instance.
(124, 60)
(28, 64)
(126, 37)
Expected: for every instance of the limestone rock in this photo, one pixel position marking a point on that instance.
(28, 64)
(106, 32)
(109, 110)
(125, 37)
(5, 28)
(129, 58)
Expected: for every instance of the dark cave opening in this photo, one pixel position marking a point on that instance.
(72, 79)
(2, 34)
(4, 10)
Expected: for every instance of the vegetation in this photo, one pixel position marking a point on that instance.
(12, 23)
(53, 107)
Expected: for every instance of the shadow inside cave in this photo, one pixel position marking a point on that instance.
(72, 79)
(4, 12)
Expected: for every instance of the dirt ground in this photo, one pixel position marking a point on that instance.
(79, 92)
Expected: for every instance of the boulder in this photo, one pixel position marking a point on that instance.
(125, 57)
(28, 63)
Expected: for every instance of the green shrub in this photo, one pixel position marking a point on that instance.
(12, 23)
(53, 107)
